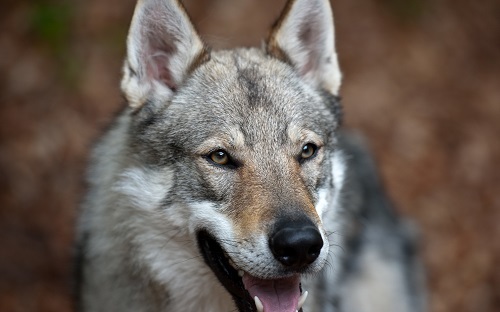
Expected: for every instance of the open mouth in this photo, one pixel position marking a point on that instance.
(251, 294)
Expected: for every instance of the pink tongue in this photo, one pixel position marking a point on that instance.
(280, 295)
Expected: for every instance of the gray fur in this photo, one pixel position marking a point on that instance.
(152, 188)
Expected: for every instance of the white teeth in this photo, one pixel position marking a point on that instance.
(241, 273)
(258, 304)
(302, 299)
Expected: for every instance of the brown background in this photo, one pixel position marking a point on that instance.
(422, 83)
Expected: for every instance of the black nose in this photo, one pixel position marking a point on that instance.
(296, 244)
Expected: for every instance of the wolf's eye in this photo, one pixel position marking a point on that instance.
(219, 157)
(308, 151)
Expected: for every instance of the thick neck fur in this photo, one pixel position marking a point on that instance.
(126, 218)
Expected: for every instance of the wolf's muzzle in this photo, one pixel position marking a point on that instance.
(295, 243)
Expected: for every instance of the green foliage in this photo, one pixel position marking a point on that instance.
(50, 22)
(50, 25)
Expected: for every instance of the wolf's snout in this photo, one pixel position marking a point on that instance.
(296, 244)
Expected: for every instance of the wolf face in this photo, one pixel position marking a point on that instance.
(236, 151)
(248, 136)
(250, 147)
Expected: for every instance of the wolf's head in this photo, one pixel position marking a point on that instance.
(248, 138)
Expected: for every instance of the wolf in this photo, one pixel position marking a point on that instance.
(227, 183)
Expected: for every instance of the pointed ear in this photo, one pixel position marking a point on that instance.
(304, 37)
(162, 45)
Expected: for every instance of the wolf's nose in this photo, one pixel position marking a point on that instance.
(296, 244)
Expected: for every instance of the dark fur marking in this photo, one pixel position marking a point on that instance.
(78, 276)
(248, 79)
(250, 86)
(334, 104)
(187, 193)
(149, 117)
(132, 71)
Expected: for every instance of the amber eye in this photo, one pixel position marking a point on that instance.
(219, 157)
(308, 151)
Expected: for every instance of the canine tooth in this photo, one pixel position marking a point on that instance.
(258, 304)
(302, 299)
(241, 273)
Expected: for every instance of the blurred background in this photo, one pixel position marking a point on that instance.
(422, 84)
